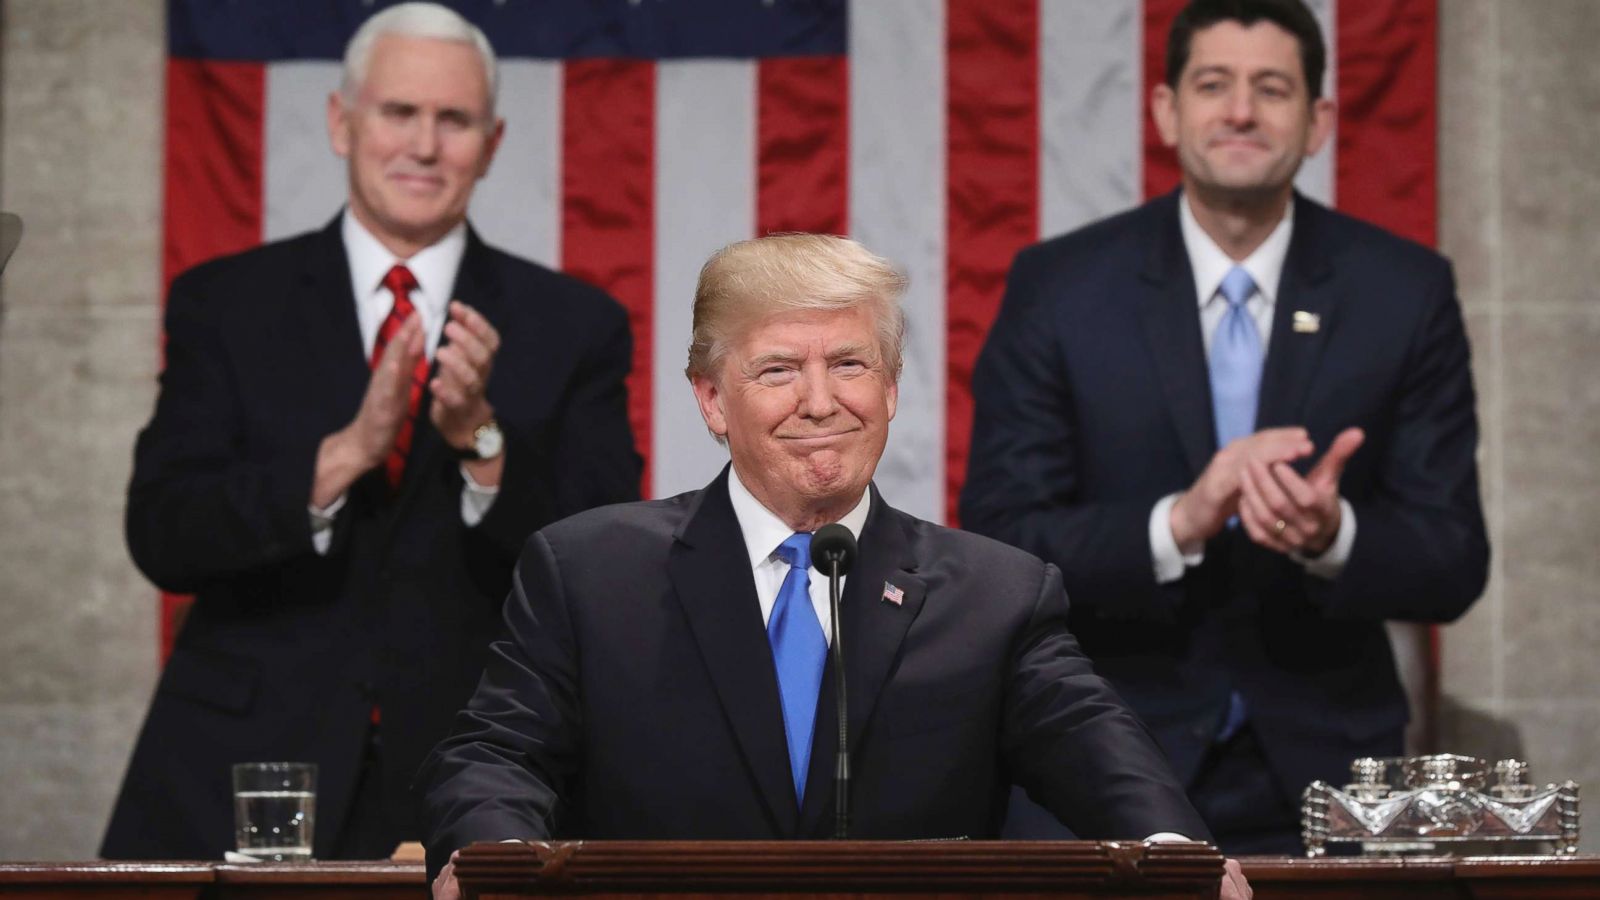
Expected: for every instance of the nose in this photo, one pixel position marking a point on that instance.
(425, 138)
(1241, 104)
(816, 394)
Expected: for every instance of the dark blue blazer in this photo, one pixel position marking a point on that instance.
(1093, 402)
(285, 651)
(633, 695)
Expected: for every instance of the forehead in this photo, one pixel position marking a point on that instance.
(803, 331)
(426, 71)
(1259, 47)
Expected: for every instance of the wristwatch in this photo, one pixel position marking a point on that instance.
(487, 442)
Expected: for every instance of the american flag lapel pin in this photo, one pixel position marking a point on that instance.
(1306, 323)
(893, 594)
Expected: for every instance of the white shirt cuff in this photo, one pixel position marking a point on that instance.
(322, 524)
(1331, 563)
(1166, 837)
(1169, 559)
(475, 499)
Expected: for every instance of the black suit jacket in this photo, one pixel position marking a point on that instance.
(634, 695)
(1093, 402)
(285, 651)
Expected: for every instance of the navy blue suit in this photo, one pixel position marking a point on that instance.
(1093, 402)
(634, 695)
(285, 651)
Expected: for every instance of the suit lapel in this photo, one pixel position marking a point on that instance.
(872, 632)
(710, 574)
(1306, 291)
(327, 318)
(1168, 309)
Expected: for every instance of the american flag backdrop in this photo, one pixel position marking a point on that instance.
(643, 134)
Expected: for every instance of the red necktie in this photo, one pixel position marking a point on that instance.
(401, 283)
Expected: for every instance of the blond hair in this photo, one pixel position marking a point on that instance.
(750, 279)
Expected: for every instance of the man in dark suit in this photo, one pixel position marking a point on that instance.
(663, 671)
(1147, 407)
(349, 532)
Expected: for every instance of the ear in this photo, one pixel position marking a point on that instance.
(709, 395)
(1322, 119)
(1164, 110)
(338, 125)
(892, 394)
(493, 145)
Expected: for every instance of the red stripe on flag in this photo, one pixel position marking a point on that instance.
(608, 204)
(1387, 71)
(992, 188)
(803, 145)
(1161, 173)
(213, 190)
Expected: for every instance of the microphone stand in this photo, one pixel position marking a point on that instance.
(841, 772)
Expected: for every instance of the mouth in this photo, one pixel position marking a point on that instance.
(417, 183)
(817, 440)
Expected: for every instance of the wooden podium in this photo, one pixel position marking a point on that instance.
(838, 869)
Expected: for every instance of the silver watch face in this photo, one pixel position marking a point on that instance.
(488, 441)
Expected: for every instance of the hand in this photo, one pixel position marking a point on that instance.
(1205, 507)
(463, 364)
(1289, 514)
(350, 452)
(1234, 887)
(445, 886)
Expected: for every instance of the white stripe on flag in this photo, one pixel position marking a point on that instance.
(1316, 176)
(705, 197)
(518, 206)
(897, 175)
(304, 182)
(1091, 108)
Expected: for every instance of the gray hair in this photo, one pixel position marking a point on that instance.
(787, 272)
(416, 20)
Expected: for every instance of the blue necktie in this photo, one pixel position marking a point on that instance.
(1235, 387)
(1235, 361)
(799, 651)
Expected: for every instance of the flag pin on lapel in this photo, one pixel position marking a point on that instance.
(893, 594)
(1306, 323)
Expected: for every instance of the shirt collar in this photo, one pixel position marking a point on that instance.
(434, 267)
(762, 529)
(1210, 264)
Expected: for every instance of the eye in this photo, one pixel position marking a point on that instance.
(776, 375)
(850, 366)
(397, 112)
(1210, 86)
(455, 120)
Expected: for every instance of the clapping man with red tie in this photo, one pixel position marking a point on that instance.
(356, 431)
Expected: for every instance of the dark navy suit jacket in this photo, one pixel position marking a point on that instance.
(1093, 402)
(285, 651)
(633, 695)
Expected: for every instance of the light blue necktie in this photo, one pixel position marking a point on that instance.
(1235, 361)
(1235, 388)
(799, 651)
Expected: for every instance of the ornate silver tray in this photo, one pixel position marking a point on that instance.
(1441, 804)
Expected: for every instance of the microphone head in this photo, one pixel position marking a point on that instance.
(833, 543)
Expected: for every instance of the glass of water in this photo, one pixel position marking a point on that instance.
(275, 809)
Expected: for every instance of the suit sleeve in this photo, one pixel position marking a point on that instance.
(201, 503)
(1421, 549)
(499, 775)
(1024, 486)
(585, 459)
(1074, 745)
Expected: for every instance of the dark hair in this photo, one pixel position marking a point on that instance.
(1290, 15)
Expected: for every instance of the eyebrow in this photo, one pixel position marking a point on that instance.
(1218, 69)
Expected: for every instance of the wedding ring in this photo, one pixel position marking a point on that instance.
(1279, 526)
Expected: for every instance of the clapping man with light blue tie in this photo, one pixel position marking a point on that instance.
(1243, 426)
(665, 673)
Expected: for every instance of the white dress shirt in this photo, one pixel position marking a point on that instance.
(435, 268)
(763, 531)
(1265, 265)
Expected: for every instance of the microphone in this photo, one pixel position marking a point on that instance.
(833, 551)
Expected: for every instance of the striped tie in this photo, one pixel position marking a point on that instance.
(401, 283)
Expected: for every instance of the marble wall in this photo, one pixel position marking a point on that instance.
(80, 160)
